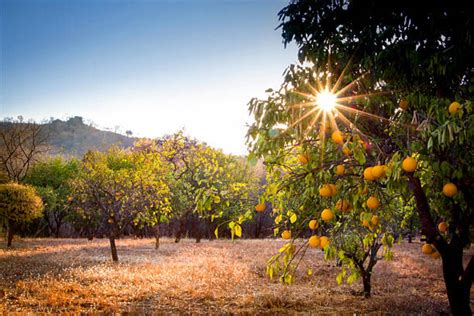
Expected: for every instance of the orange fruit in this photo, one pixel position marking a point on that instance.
(314, 241)
(403, 104)
(313, 224)
(333, 189)
(378, 171)
(323, 241)
(450, 189)
(442, 227)
(454, 107)
(286, 234)
(368, 174)
(343, 205)
(365, 223)
(340, 169)
(325, 191)
(409, 164)
(337, 137)
(375, 220)
(373, 202)
(327, 215)
(427, 249)
(435, 255)
(260, 207)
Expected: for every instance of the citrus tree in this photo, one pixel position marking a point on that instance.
(52, 179)
(406, 97)
(119, 188)
(18, 204)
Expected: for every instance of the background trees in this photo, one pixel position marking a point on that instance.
(18, 204)
(412, 63)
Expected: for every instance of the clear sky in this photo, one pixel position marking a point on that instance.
(152, 67)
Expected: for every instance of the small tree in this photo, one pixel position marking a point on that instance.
(18, 204)
(52, 178)
(120, 187)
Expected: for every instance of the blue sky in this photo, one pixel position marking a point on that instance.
(149, 66)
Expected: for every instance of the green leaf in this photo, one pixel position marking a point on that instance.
(293, 218)
(238, 230)
(216, 232)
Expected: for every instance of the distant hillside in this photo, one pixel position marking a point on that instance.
(74, 137)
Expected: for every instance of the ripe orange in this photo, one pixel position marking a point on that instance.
(368, 175)
(313, 224)
(260, 207)
(324, 241)
(340, 170)
(378, 171)
(325, 191)
(333, 189)
(303, 159)
(375, 220)
(373, 202)
(286, 234)
(327, 215)
(343, 205)
(403, 104)
(427, 249)
(454, 107)
(409, 164)
(450, 189)
(314, 241)
(365, 223)
(337, 137)
(435, 255)
(442, 227)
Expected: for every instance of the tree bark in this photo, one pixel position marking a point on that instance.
(156, 232)
(458, 281)
(10, 231)
(367, 284)
(113, 248)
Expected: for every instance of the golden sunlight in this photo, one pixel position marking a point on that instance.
(326, 100)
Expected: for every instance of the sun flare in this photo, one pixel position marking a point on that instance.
(326, 100)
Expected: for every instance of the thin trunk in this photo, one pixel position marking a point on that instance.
(156, 232)
(113, 248)
(411, 231)
(181, 230)
(9, 233)
(367, 285)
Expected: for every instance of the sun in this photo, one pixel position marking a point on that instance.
(326, 100)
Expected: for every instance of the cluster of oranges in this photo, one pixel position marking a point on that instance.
(429, 249)
(375, 172)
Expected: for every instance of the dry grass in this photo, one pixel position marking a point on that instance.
(47, 275)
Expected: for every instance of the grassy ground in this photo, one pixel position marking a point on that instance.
(59, 275)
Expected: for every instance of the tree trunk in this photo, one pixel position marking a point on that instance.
(367, 285)
(181, 230)
(156, 232)
(411, 231)
(9, 234)
(113, 248)
(457, 288)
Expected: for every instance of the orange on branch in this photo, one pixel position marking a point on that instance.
(435, 255)
(313, 224)
(454, 107)
(327, 215)
(373, 202)
(314, 241)
(368, 175)
(409, 164)
(378, 171)
(346, 150)
(375, 220)
(325, 191)
(324, 241)
(260, 207)
(427, 249)
(340, 169)
(303, 159)
(333, 189)
(286, 234)
(343, 205)
(442, 227)
(337, 137)
(450, 189)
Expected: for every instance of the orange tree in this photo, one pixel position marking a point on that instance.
(421, 130)
(120, 188)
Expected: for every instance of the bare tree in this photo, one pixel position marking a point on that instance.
(21, 143)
